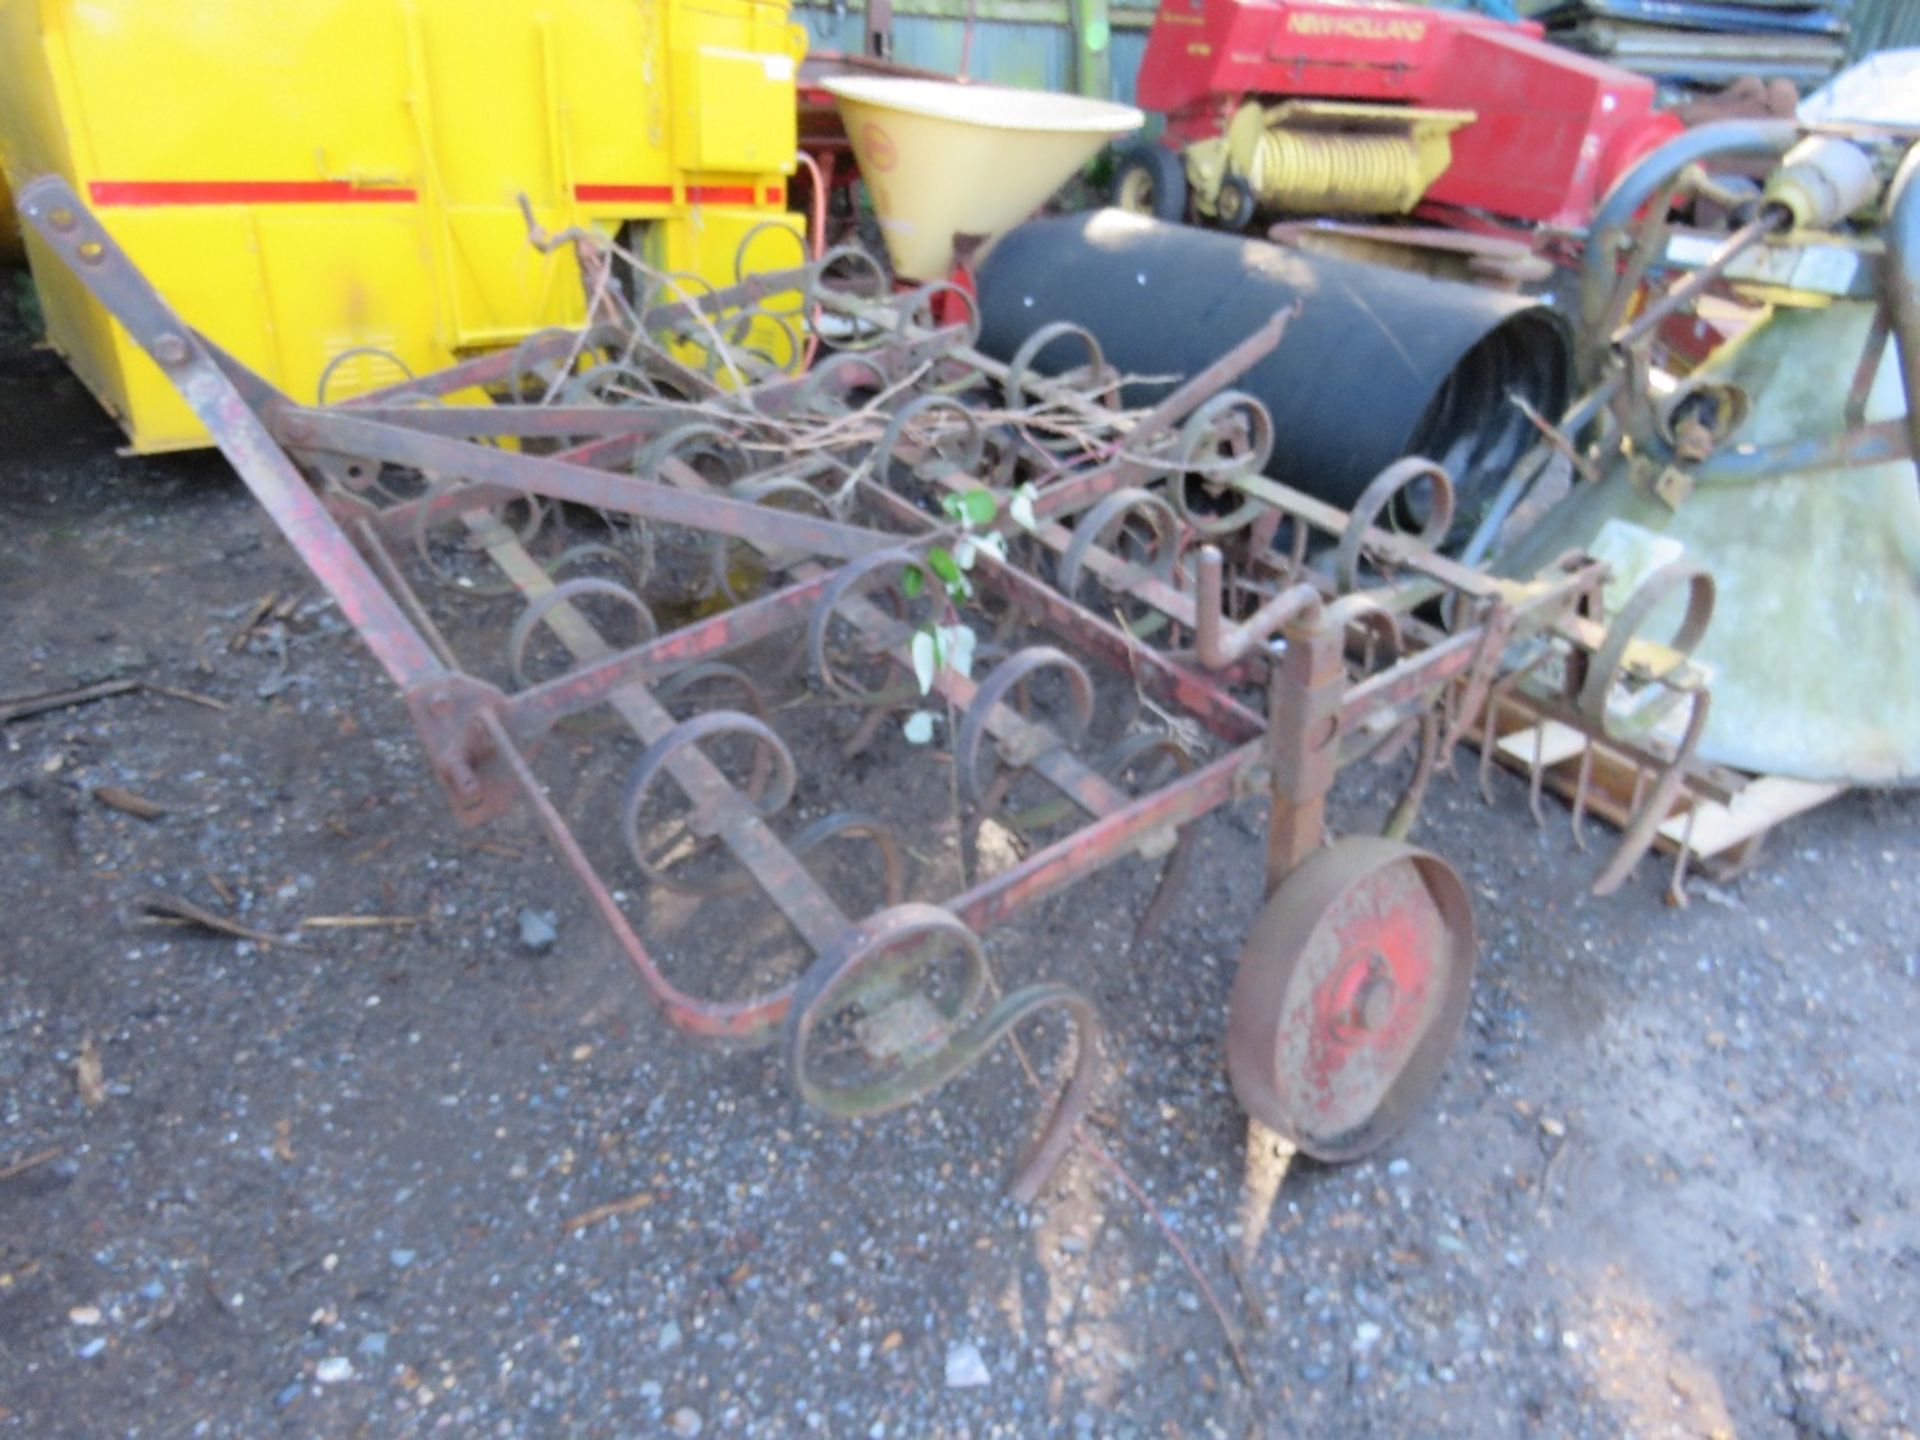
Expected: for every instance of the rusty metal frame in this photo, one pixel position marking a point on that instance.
(1343, 657)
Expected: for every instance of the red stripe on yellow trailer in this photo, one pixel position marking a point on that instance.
(720, 195)
(246, 192)
(624, 194)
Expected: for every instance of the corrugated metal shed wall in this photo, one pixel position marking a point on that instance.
(1883, 25)
(1032, 53)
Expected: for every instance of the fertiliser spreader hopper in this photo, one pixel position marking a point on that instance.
(620, 573)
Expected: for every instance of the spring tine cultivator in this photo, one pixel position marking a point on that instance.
(611, 543)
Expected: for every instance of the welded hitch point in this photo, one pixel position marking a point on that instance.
(447, 712)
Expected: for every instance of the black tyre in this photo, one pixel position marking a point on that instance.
(1149, 179)
(1234, 208)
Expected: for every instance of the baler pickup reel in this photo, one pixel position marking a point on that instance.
(642, 581)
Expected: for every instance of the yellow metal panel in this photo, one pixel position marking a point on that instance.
(340, 277)
(707, 239)
(486, 61)
(507, 288)
(77, 328)
(9, 224)
(34, 138)
(172, 89)
(207, 262)
(725, 60)
(613, 62)
(298, 180)
(739, 108)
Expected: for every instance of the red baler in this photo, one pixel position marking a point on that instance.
(1352, 107)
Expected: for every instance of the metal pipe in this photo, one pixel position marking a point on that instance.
(1695, 284)
(1902, 282)
(1502, 506)
(1724, 139)
(1092, 30)
(1878, 443)
(1220, 644)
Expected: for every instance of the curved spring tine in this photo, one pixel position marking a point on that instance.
(1640, 835)
(767, 792)
(706, 670)
(1401, 822)
(1603, 666)
(1380, 493)
(837, 975)
(564, 593)
(972, 736)
(1116, 506)
(895, 867)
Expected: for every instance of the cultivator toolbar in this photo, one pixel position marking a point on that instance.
(647, 550)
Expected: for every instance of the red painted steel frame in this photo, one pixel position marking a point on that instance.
(473, 733)
(316, 472)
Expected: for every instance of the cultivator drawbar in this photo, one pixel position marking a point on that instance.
(612, 572)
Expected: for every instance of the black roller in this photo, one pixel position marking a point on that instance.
(1379, 363)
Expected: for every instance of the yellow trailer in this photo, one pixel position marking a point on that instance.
(301, 180)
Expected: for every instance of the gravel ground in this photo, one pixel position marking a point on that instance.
(1668, 1185)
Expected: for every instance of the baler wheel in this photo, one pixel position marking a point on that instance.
(1150, 179)
(1233, 207)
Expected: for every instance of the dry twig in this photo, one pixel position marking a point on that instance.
(361, 922)
(114, 797)
(23, 705)
(192, 697)
(170, 908)
(639, 1200)
(259, 611)
(33, 1161)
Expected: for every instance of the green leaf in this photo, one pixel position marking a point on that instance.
(979, 507)
(912, 581)
(944, 565)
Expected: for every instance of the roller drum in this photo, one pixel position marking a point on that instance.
(1377, 364)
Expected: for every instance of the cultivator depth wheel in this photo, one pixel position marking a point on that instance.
(1350, 992)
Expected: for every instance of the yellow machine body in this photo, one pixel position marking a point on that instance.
(302, 180)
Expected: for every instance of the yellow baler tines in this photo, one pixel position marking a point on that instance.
(347, 173)
(1313, 157)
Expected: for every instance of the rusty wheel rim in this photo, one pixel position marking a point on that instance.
(1350, 994)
